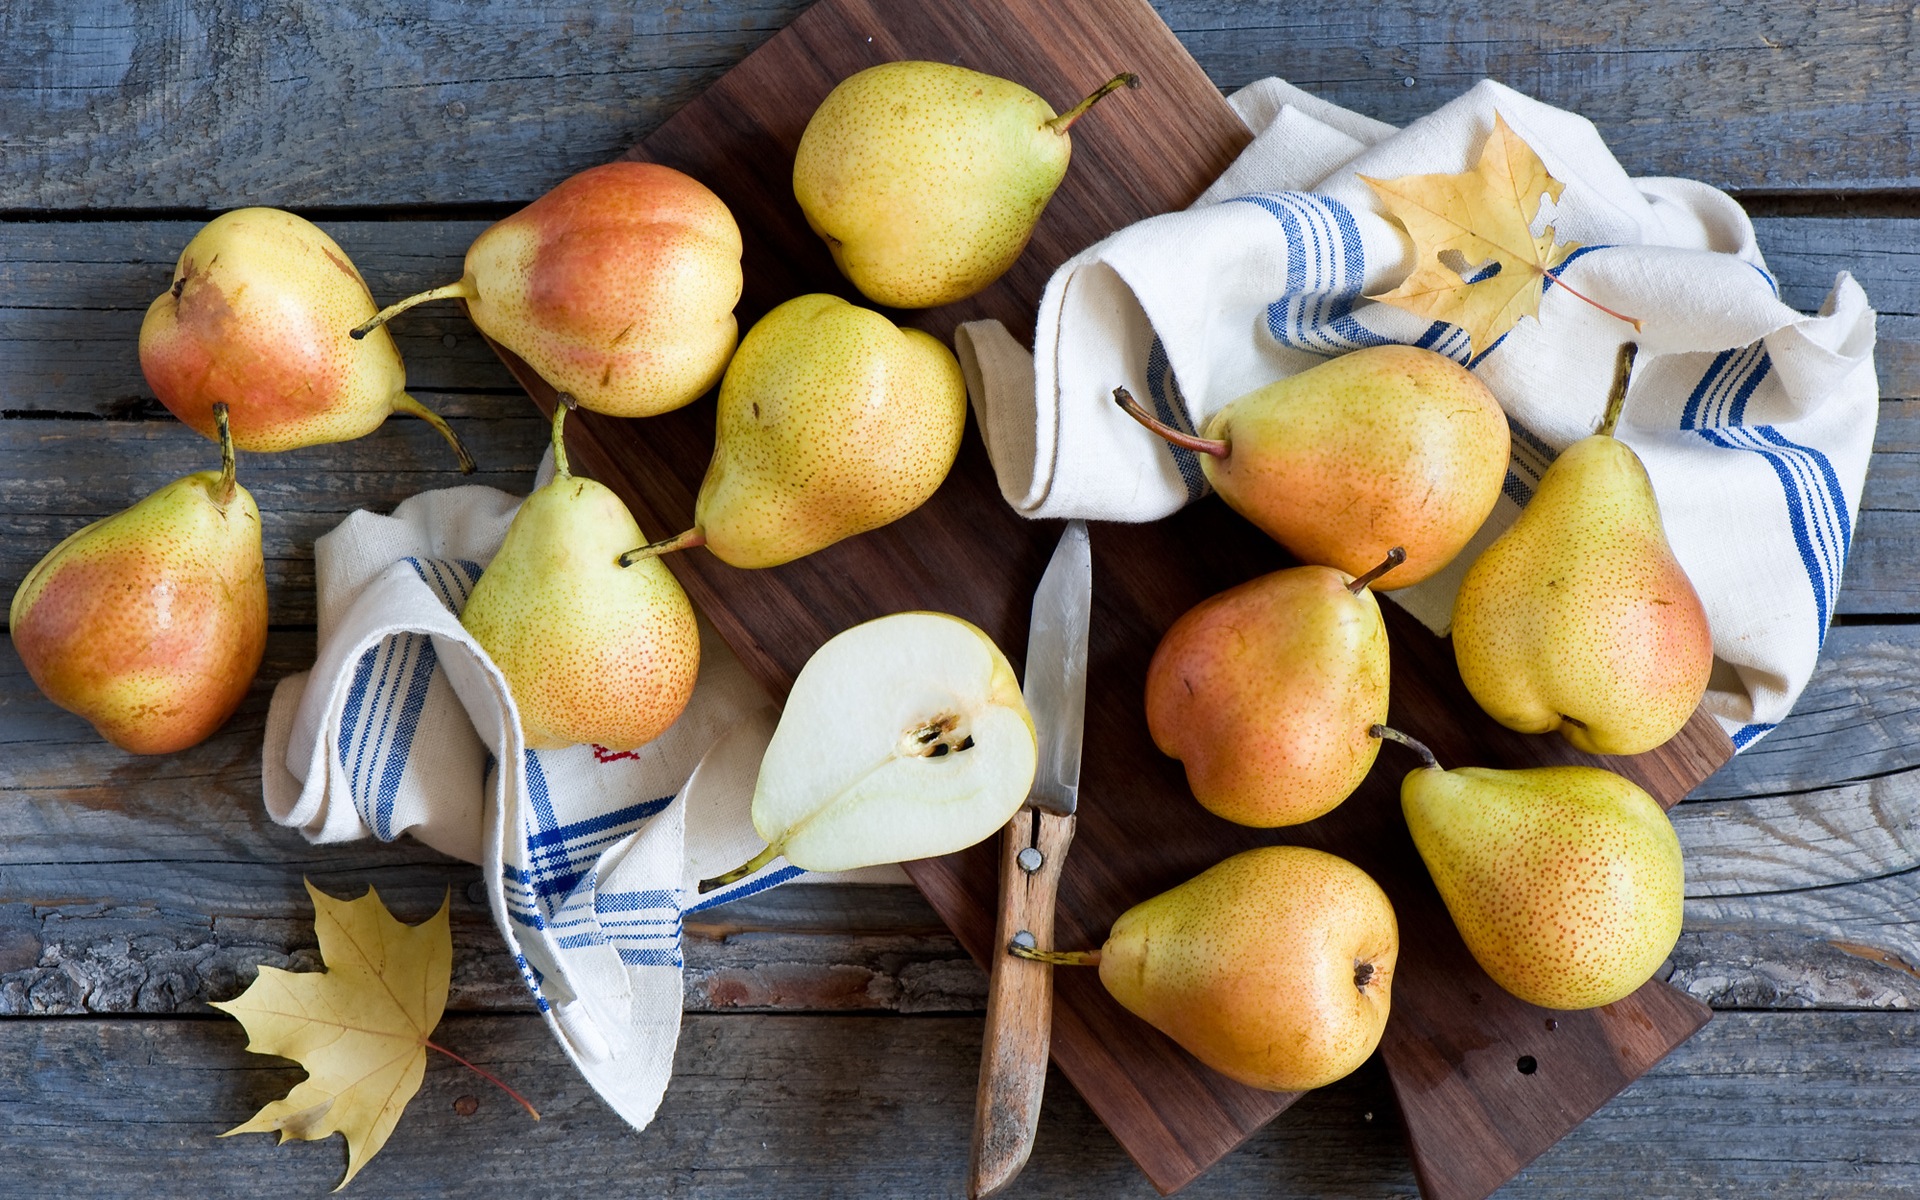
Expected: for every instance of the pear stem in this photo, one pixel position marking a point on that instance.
(740, 872)
(685, 541)
(1065, 120)
(413, 408)
(1394, 558)
(487, 1075)
(560, 471)
(1414, 744)
(463, 289)
(223, 489)
(1186, 441)
(1059, 958)
(1617, 396)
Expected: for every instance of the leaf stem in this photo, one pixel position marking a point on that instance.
(1553, 273)
(486, 1075)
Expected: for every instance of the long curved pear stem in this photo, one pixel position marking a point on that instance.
(1186, 441)
(223, 488)
(1065, 120)
(1394, 558)
(740, 872)
(413, 408)
(1059, 958)
(462, 289)
(560, 471)
(1414, 744)
(1617, 397)
(685, 541)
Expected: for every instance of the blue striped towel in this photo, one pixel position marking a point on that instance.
(1755, 421)
(590, 856)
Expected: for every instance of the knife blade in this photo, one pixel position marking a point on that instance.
(1013, 1056)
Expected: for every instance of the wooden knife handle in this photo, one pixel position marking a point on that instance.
(1013, 1056)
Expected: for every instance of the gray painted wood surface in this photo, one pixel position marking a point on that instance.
(833, 1031)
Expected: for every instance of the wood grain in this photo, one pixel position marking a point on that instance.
(877, 1107)
(212, 104)
(1013, 1049)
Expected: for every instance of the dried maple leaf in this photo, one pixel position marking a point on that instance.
(1481, 222)
(360, 1028)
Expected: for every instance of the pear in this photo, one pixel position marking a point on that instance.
(1268, 691)
(617, 286)
(1390, 445)
(1578, 617)
(1274, 967)
(926, 179)
(832, 421)
(1565, 882)
(904, 737)
(592, 652)
(151, 623)
(257, 319)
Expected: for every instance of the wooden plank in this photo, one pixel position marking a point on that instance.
(57, 476)
(877, 1107)
(72, 295)
(183, 105)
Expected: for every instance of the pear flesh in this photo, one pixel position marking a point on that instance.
(617, 286)
(1274, 967)
(926, 179)
(1385, 446)
(151, 623)
(1566, 883)
(257, 318)
(592, 651)
(904, 737)
(832, 421)
(1579, 618)
(1266, 694)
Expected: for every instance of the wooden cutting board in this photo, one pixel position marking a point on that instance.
(1485, 1082)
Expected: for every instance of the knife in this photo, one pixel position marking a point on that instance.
(1013, 1057)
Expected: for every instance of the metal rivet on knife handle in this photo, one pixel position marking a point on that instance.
(1031, 860)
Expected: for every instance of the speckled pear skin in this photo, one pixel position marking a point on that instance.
(1266, 692)
(257, 316)
(1565, 882)
(926, 179)
(832, 421)
(152, 622)
(593, 652)
(617, 286)
(1579, 618)
(1255, 966)
(1386, 446)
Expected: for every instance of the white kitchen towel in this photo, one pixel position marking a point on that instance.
(1755, 421)
(590, 856)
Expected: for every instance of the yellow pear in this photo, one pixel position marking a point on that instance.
(617, 286)
(1579, 618)
(926, 179)
(592, 651)
(257, 319)
(832, 421)
(152, 622)
(1274, 967)
(1565, 882)
(1268, 692)
(904, 737)
(1386, 446)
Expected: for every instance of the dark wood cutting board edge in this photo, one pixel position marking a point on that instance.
(1455, 1044)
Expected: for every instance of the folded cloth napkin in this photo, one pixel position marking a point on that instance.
(1755, 421)
(591, 857)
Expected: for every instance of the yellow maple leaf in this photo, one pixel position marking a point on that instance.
(360, 1027)
(1480, 220)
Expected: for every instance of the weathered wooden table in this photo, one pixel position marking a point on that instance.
(832, 1032)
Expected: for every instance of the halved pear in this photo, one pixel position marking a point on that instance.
(904, 737)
